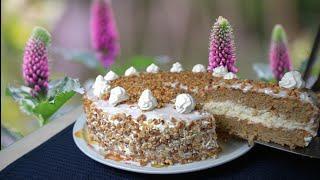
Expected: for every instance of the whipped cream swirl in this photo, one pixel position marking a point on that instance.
(111, 76)
(147, 101)
(100, 86)
(152, 68)
(219, 71)
(292, 79)
(117, 95)
(198, 68)
(131, 71)
(184, 103)
(176, 67)
(230, 75)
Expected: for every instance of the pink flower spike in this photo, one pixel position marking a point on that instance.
(221, 46)
(104, 35)
(35, 61)
(279, 58)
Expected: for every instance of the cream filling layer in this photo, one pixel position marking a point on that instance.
(266, 118)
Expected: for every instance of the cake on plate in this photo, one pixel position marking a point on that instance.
(172, 117)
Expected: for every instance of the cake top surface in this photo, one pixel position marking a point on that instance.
(189, 90)
(161, 84)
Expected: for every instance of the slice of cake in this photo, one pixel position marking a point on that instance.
(263, 111)
(166, 117)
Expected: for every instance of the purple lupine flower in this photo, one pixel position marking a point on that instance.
(279, 58)
(221, 47)
(35, 61)
(104, 35)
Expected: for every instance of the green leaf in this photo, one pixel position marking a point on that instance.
(45, 109)
(60, 91)
(64, 85)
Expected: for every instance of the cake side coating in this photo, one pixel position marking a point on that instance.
(155, 137)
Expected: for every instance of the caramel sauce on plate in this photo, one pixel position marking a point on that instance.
(115, 157)
(79, 134)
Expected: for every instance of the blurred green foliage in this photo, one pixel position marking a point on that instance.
(139, 62)
(14, 34)
(89, 60)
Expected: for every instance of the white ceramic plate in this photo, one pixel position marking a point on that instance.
(230, 150)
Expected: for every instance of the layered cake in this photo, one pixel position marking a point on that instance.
(146, 124)
(172, 117)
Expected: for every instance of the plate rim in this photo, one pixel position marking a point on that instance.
(81, 120)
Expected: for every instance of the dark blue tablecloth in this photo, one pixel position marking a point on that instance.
(59, 158)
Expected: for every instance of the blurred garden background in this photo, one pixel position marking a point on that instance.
(164, 31)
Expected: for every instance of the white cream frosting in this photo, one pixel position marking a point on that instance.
(247, 88)
(182, 86)
(236, 86)
(230, 75)
(307, 140)
(131, 71)
(111, 76)
(147, 101)
(117, 95)
(100, 86)
(152, 68)
(176, 67)
(292, 80)
(98, 80)
(198, 68)
(220, 71)
(184, 103)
